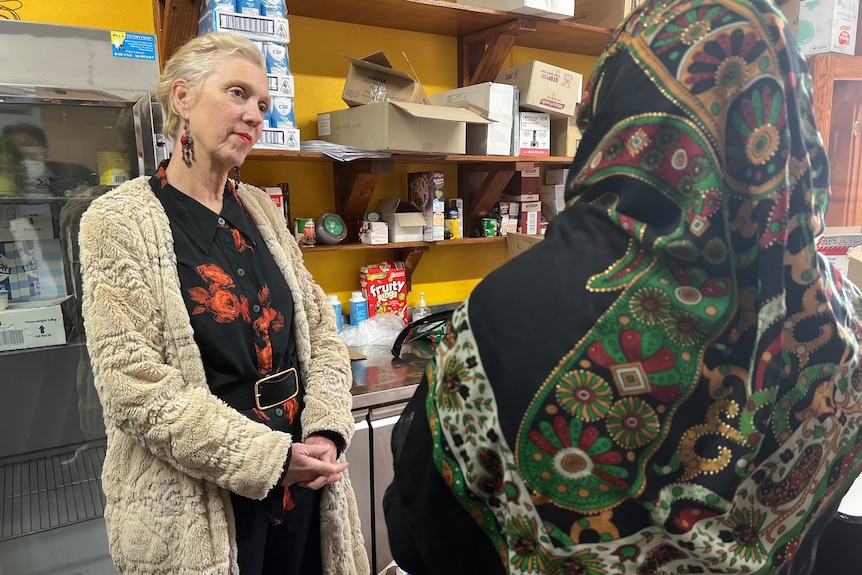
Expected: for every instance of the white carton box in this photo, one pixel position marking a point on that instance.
(25, 222)
(544, 88)
(405, 220)
(32, 324)
(535, 134)
(555, 9)
(823, 26)
(491, 100)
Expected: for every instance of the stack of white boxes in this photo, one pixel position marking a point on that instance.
(547, 99)
(553, 193)
(265, 23)
(823, 26)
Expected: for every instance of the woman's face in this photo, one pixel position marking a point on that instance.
(226, 113)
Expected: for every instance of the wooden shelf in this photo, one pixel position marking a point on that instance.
(401, 245)
(485, 35)
(408, 252)
(286, 155)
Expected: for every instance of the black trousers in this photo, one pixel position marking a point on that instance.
(270, 542)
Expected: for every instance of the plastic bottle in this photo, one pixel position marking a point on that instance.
(336, 305)
(422, 309)
(358, 308)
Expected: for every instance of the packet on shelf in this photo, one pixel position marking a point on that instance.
(384, 285)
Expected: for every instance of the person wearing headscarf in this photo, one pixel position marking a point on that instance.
(679, 390)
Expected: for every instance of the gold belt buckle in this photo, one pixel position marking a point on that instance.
(274, 378)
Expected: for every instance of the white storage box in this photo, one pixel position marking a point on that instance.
(491, 100)
(823, 26)
(555, 9)
(33, 324)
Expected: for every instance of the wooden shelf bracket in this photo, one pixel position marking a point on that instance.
(354, 184)
(483, 53)
(479, 199)
(410, 257)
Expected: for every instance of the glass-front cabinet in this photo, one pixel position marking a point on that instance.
(60, 147)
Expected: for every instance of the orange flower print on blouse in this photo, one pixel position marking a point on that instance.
(240, 241)
(269, 319)
(222, 303)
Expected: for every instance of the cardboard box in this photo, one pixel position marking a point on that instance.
(854, 268)
(405, 220)
(26, 222)
(528, 223)
(426, 190)
(604, 13)
(492, 101)
(399, 127)
(836, 245)
(554, 9)
(518, 243)
(373, 79)
(33, 324)
(565, 137)
(535, 134)
(823, 26)
(544, 88)
(556, 176)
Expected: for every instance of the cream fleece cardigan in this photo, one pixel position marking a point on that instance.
(174, 449)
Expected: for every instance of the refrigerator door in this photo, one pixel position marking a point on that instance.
(76, 119)
(383, 420)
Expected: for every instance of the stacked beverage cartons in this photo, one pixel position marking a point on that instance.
(265, 23)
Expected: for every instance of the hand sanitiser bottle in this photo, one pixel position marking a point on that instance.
(422, 309)
(358, 308)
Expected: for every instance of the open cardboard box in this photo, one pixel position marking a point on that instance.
(399, 127)
(519, 243)
(373, 79)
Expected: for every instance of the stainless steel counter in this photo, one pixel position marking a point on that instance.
(380, 380)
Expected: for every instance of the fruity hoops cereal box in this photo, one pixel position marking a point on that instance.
(384, 285)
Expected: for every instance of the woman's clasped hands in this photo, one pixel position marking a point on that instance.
(313, 464)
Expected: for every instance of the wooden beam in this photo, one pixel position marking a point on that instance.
(483, 53)
(179, 25)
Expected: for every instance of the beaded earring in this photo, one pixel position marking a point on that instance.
(188, 145)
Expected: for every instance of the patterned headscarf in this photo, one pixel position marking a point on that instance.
(675, 390)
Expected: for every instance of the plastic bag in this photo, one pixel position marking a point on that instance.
(379, 329)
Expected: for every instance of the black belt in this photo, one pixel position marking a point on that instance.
(266, 393)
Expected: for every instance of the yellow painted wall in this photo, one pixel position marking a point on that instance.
(316, 52)
(124, 15)
(445, 273)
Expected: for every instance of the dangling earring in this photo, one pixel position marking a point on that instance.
(236, 176)
(188, 145)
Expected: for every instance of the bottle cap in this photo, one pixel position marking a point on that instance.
(357, 295)
(333, 299)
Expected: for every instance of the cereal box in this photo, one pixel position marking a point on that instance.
(384, 285)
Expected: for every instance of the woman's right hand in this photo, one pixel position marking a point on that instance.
(307, 468)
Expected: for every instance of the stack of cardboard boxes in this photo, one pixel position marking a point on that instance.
(265, 23)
